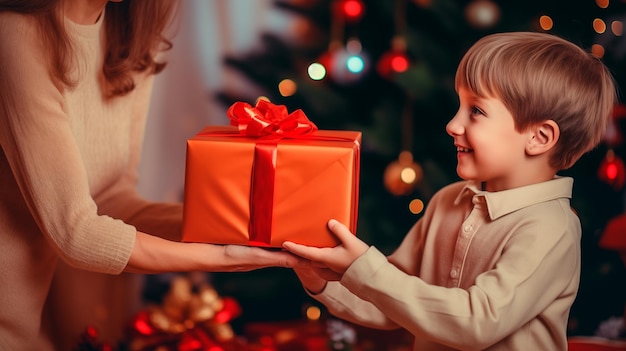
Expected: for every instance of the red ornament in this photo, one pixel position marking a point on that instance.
(349, 10)
(612, 170)
(230, 311)
(141, 324)
(393, 61)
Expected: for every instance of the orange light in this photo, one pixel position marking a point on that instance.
(545, 22)
(599, 26)
(287, 87)
(597, 50)
(416, 206)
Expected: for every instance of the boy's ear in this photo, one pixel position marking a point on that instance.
(543, 137)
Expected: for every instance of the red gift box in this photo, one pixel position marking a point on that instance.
(270, 178)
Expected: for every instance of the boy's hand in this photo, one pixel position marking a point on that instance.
(337, 258)
(310, 279)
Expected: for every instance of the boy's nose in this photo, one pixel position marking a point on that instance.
(454, 127)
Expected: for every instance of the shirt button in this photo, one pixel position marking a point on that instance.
(467, 228)
(454, 273)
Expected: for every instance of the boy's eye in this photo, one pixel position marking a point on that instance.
(476, 111)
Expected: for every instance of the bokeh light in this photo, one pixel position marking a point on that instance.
(599, 26)
(353, 9)
(602, 3)
(355, 64)
(354, 45)
(416, 206)
(617, 27)
(597, 50)
(316, 71)
(399, 63)
(287, 87)
(408, 175)
(546, 22)
(482, 13)
(313, 313)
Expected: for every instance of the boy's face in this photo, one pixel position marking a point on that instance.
(489, 149)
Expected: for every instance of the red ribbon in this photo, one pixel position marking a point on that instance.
(268, 119)
(269, 123)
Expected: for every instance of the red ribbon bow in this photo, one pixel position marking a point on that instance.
(268, 119)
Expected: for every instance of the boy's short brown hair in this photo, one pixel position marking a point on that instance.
(538, 77)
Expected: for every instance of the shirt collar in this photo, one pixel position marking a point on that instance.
(503, 202)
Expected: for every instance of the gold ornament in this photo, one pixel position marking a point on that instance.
(402, 175)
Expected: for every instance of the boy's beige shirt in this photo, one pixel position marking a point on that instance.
(479, 271)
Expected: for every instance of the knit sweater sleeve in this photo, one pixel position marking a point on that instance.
(43, 155)
(122, 200)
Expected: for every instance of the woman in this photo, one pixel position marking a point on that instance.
(76, 77)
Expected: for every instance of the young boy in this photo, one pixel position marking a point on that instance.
(494, 262)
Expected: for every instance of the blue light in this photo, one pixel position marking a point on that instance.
(355, 64)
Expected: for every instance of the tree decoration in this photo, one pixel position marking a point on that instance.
(402, 175)
(612, 170)
(348, 65)
(348, 10)
(482, 14)
(344, 63)
(396, 59)
(191, 318)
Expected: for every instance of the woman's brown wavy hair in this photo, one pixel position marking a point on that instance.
(134, 32)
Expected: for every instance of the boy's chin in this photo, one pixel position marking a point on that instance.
(463, 175)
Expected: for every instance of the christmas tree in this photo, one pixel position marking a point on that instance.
(386, 68)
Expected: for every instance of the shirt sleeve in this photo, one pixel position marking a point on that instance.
(40, 148)
(342, 303)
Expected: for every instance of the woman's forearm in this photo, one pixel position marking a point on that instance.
(151, 254)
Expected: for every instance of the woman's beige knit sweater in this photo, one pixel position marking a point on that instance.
(68, 171)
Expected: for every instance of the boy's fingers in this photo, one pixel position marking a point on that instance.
(340, 230)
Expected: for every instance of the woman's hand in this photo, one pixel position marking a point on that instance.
(246, 258)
